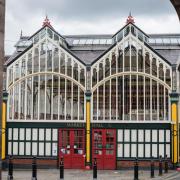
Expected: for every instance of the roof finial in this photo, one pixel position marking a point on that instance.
(130, 19)
(21, 34)
(46, 22)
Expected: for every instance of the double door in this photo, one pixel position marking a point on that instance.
(104, 148)
(71, 148)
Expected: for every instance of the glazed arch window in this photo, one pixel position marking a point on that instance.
(147, 63)
(154, 67)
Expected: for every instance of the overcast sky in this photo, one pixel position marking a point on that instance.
(87, 17)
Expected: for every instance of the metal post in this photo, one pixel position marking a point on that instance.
(34, 169)
(95, 169)
(160, 166)
(166, 165)
(152, 168)
(61, 166)
(136, 168)
(10, 168)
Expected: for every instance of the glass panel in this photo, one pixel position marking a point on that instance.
(120, 98)
(69, 67)
(140, 98)
(161, 72)
(22, 100)
(95, 105)
(23, 67)
(154, 100)
(98, 144)
(140, 62)
(42, 97)
(120, 61)
(133, 98)
(62, 63)
(113, 99)
(62, 99)
(126, 97)
(154, 67)
(82, 77)
(161, 102)
(29, 98)
(127, 60)
(48, 97)
(36, 59)
(147, 63)
(133, 59)
(81, 105)
(147, 99)
(100, 101)
(75, 71)
(68, 99)
(107, 68)
(107, 96)
(55, 97)
(78, 142)
(65, 147)
(113, 64)
(29, 63)
(43, 56)
(94, 78)
(35, 97)
(50, 49)
(100, 71)
(75, 102)
(16, 101)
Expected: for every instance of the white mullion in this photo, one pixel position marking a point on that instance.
(38, 95)
(123, 53)
(137, 94)
(72, 89)
(116, 98)
(103, 101)
(123, 97)
(45, 97)
(130, 84)
(52, 93)
(144, 93)
(25, 112)
(97, 103)
(110, 96)
(65, 99)
(20, 63)
(158, 92)
(110, 62)
(13, 89)
(78, 102)
(58, 96)
(60, 60)
(150, 99)
(32, 87)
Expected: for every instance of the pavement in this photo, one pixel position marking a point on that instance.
(53, 174)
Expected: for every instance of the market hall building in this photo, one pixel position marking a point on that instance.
(80, 97)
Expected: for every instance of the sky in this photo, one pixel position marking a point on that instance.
(71, 17)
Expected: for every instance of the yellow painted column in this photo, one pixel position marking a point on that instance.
(88, 138)
(88, 130)
(175, 127)
(3, 130)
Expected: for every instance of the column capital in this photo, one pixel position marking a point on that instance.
(88, 95)
(5, 96)
(174, 97)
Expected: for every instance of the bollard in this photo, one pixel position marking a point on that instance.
(95, 169)
(166, 165)
(136, 168)
(34, 169)
(160, 166)
(10, 168)
(152, 168)
(61, 166)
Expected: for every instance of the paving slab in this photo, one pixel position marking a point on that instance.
(53, 174)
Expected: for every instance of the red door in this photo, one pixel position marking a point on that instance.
(104, 148)
(71, 148)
